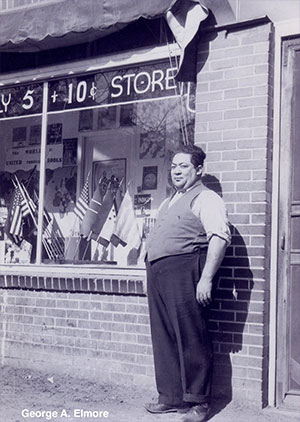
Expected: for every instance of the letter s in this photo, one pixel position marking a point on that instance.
(117, 86)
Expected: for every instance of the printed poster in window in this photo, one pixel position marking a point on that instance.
(35, 135)
(19, 137)
(70, 152)
(60, 189)
(128, 115)
(85, 120)
(107, 118)
(142, 204)
(149, 178)
(109, 172)
(152, 144)
(14, 254)
(54, 133)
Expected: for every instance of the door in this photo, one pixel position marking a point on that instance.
(288, 326)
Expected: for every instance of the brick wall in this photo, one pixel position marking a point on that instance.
(92, 335)
(233, 125)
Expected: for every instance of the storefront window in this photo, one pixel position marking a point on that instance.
(20, 128)
(109, 141)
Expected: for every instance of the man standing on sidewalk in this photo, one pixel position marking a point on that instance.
(184, 251)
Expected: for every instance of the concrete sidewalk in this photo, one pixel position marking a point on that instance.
(222, 412)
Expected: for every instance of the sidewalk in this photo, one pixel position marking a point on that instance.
(61, 395)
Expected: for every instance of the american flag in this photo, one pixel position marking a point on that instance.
(16, 216)
(83, 201)
(22, 206)
(27, 204)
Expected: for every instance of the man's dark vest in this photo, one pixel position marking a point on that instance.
(177, 229)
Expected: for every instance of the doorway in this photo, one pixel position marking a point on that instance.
(288, 306)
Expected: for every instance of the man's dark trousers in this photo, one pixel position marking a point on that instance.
(181, 345)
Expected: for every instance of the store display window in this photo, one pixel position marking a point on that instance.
(85, 164)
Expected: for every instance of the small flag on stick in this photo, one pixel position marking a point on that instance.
(83, 201)
(106, 227)
(126, 231)
(15, 228)
(91, 213)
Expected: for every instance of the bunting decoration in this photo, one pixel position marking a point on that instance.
(184, 20)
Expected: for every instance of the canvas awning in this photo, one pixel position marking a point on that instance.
(63, 23)
(67, 22)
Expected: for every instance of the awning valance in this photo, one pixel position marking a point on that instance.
(67, 22)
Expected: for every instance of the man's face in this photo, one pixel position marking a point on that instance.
(183, 172)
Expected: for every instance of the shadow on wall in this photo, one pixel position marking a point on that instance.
(228, 313)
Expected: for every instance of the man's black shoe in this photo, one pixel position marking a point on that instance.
(198, 413)
(165, 408)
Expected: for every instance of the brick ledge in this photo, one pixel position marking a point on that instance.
(111, 285)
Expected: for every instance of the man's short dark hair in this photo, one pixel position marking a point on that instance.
(197, 154)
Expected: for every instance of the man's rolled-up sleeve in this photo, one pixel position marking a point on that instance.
(211, 210)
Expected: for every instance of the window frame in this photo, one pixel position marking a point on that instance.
(77, 68)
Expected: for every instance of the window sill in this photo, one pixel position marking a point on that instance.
(91, 279)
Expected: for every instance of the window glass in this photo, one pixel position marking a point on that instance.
(20, 128)
(110, 138)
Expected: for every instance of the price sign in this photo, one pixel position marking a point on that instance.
(118, 86)
(21, 100)
(132, 84)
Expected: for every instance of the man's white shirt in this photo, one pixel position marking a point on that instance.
(210, 208)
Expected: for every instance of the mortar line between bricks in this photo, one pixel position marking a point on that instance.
(3, 341)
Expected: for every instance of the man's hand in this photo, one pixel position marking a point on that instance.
(215, 254)
(203, 291)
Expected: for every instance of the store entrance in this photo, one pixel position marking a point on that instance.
(288, 331)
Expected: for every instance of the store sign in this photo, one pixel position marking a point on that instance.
(26, 158)
(21, 100)
(140, 83)
(119, 86)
